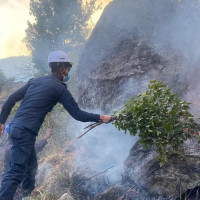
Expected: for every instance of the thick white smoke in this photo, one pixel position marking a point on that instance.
(102, 148)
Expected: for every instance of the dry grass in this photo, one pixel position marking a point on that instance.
(58, 182)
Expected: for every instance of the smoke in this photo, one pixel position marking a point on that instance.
(178, 27)
(166, 24)
(102, 148)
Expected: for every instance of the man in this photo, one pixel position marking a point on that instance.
(28, 183)
(39, 97)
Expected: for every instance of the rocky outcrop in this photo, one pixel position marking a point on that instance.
(142, 168)
(135, 42)
(126, 73)
(128, 48)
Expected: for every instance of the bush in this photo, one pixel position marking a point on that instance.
(160, 119)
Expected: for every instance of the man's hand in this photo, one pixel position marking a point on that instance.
(49, 133)
(2, 128)
(106, 118)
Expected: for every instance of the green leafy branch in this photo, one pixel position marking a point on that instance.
(159, 118)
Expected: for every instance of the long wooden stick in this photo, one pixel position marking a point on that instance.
(90, 128)
(93, 125)
(90, 125)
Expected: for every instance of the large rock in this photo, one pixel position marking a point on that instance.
(133, 43)
(142, 168)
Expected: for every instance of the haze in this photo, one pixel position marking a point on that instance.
(14, 16)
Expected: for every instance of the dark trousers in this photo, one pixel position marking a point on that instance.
(23, 163)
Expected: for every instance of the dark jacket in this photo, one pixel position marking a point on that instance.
(39, 96)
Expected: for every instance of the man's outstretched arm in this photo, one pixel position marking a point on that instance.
(72, 107)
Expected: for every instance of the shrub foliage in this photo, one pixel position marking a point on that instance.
(159, 118)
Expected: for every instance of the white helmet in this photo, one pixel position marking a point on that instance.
(58, 56)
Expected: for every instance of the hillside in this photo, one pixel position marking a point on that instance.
(20, 68)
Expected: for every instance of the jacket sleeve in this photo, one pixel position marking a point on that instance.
(11, 101)
(40, 145)
(72, 107)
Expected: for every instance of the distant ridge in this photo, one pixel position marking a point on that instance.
(20, 68)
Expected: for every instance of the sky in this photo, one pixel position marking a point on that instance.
(14, 15)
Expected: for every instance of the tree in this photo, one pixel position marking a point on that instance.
(60, 24)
